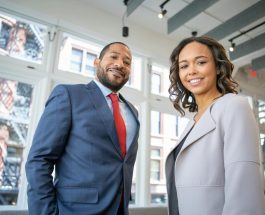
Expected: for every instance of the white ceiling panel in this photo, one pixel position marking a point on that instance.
(226, 9)
(202, 23)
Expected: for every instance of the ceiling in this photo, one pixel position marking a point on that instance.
(221, 19)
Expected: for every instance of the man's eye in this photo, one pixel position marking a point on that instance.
(127, 63)
(113, 56)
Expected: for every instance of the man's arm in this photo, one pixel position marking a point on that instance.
(48, 143)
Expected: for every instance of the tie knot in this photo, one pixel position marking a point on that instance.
(113, 97)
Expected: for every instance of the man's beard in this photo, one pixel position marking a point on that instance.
(104, 79)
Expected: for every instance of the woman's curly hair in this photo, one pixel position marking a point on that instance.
(179, 95)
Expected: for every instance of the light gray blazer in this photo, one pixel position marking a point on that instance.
(218, 168)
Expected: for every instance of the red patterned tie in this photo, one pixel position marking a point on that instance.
(120, 126)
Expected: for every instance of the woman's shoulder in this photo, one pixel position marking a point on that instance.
(232, 99)
(232, 102)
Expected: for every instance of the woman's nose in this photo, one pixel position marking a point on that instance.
(192, 71)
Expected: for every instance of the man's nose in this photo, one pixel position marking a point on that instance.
(119, 63)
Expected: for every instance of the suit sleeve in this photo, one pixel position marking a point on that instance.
(48, 144)
(244, 190)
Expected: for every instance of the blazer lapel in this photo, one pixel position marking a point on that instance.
(104, 114)
(184, 133)
(203, 127)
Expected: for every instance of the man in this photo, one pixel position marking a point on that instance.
(77, 134)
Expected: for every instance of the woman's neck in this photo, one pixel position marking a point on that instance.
(203, 103)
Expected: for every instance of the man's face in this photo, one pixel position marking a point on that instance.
(113, 70)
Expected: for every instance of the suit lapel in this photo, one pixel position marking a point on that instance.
(132, 109)
(134, 113)
(103, 112)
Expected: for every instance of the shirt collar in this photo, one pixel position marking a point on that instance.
(106, 91)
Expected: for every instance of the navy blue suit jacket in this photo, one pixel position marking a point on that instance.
(77, 135)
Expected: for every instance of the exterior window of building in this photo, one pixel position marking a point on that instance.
(133, 189)
(76, 60)
(262, 142)
(22, 39)
(155, 164)
(172, 127)
(261, 109)
(160, 82)
(15, 108)
(77, 55)
(261, 116)
(90, 69)
(134, 178)
(155, 170)
(136, 73)
(156, 83)
(157, 188)
(155, 122)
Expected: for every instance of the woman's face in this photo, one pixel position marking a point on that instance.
(197, 69)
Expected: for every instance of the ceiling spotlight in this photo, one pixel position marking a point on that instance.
(194, 33)
(162, 13)
(232, 47)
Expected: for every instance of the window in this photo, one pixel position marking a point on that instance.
(15, 106)
(261, 109)
(155, 170)
(156, 83)
(136, 73)
(155, 122)
(157, 187)
(133, 189)
(21, 39)
(90, 69)
(155, 164)
(160, 81)
(169, 127)
(76, 60)
(261, 117)
(134, 179)
(78, 55)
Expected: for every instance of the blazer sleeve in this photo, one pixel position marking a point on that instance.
(48, 144)
(244, 186)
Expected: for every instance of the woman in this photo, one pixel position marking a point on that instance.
(215, 168)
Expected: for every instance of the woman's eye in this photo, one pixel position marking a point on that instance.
(201, 62)
(183, 66)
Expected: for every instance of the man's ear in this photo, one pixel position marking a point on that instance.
(96, 62)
